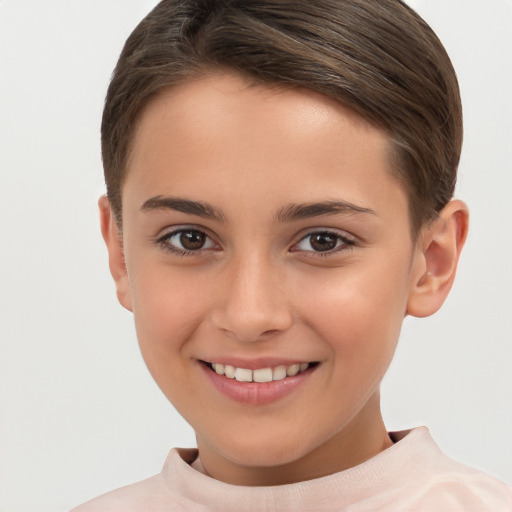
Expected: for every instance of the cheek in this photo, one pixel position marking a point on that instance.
(359, 313)
(167, 307)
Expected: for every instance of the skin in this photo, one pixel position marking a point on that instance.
(259, 288)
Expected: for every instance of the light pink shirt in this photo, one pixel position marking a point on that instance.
(412, 475)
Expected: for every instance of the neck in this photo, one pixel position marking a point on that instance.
(360, 440)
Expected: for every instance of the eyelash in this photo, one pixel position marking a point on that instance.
(164, 242)
(343, 243)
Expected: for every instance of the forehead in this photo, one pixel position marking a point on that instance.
(265, 141)
(230, 98)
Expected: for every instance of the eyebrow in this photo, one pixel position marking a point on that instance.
(178, 204)
(305, 211)
(289, 213)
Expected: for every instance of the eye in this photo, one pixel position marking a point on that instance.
(186, 241)
(323, 242)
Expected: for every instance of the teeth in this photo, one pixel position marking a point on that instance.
(261, 374)
(229, 371)
(219, 368)
(243, 375)
(292, 370)
(279, 373)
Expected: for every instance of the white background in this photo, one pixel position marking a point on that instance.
(80, 414)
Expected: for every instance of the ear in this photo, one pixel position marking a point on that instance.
(437, 255)
(116, 261)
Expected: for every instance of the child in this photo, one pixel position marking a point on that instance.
(279, 196)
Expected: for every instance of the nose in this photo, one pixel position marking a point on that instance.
(251, 302)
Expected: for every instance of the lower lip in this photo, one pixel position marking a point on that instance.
(256, 393)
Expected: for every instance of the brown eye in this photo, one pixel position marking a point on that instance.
(323, 241)
(186, 241)
(192, 240)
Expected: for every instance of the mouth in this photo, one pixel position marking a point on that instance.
(258, 386)
(259, 375)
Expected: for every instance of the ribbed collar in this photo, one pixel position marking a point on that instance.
(414, 454)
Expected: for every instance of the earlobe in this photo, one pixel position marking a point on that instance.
(116, 261)
(437, 255)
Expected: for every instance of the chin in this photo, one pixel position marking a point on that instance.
(256, 451)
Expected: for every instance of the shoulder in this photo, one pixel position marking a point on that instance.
(147, 495)
(464, 493)
(447, 485)
(153, 494)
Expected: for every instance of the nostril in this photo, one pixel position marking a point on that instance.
(251, 326)
(270, 332)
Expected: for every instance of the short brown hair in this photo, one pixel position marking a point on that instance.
(379, 58)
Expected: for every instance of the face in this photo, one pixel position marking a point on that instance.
(266, 239)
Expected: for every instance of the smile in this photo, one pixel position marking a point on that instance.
(259, 375)
(258, 386)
